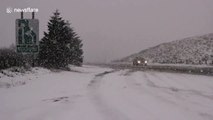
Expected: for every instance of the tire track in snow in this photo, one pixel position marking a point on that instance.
(180, 95)
(140, 88)
(183, 92)
(161, 93)
(108, 112)
(173, 89)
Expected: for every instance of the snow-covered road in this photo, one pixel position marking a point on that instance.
(94, 93)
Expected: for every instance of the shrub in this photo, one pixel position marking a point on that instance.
(9, 58)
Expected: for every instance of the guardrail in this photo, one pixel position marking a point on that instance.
(201, 70)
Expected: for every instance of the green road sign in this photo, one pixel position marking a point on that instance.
(27, 48)
(27, 35)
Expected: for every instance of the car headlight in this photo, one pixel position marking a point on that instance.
(139, 61)
(145, 61)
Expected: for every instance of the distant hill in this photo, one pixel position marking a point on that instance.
(192, 50)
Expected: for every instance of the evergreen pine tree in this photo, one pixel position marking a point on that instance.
(75, 45)
(54, 49)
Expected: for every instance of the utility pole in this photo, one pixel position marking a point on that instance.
(34, 57)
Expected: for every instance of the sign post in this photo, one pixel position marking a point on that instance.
(27, 36)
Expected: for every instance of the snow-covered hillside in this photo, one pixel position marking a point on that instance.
(193, 50)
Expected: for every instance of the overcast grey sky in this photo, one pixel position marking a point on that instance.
(111, 29)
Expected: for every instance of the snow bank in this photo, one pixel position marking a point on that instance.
(16, 76)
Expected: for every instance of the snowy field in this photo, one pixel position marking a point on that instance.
(95, 93)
